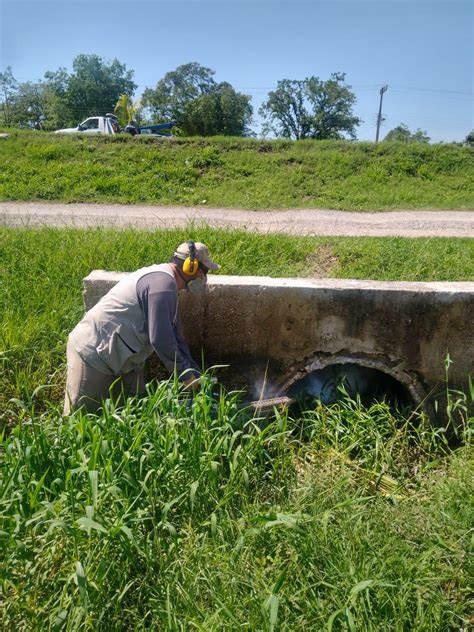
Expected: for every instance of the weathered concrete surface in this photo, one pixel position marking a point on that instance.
(272, 331)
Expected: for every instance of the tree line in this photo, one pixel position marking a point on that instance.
(190, 97)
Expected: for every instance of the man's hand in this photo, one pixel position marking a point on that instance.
(192, 383)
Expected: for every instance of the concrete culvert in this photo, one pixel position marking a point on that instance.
(276, 332)
(329, 385)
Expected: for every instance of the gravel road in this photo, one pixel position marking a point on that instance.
(413, 223)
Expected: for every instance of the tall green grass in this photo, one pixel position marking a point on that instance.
(41, 274)
(244, 173)
(164, 516)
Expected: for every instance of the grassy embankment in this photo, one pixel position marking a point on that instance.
(242, 173)
(41, 274)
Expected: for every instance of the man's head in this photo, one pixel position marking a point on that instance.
(191, 256)
(193, 262)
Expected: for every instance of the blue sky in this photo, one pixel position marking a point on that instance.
(422, 49)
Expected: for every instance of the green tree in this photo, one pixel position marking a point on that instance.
(8, 94)
(95, 86)
(469, 140)
(311, 108)
(58, 112)
(63, 99)
(198, 105)
(23, 104)
(27, 108)
(402, 134)
(172, 95)
(221, 111)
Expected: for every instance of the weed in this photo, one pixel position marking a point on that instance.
(161, 515)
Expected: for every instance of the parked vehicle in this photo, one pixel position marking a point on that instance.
(94, 125)
(156, 130)
(109, 124)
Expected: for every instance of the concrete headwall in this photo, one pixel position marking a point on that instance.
(272, 332)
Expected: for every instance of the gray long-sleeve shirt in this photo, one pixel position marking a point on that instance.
(158, 298)
(137, 317)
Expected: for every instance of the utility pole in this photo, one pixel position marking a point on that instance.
(379, 116)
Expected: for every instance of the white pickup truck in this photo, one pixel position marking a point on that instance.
(94, 125)
(109, 124)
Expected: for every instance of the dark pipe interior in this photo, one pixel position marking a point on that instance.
(369, 384)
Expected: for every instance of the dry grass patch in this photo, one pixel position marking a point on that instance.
(322, 262)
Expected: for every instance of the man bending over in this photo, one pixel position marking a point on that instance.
(138, 316)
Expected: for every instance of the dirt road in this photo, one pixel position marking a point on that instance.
(412, 223)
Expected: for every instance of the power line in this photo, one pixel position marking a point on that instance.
(418, 89)
(359, 87)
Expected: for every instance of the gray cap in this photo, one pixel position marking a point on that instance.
(201, 252)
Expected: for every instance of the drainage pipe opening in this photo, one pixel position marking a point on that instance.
(331, 383)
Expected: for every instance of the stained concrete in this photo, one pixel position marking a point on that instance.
(272, 332)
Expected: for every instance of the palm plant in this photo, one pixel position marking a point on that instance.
(125, 110)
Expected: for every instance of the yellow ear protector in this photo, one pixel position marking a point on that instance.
(191, 264)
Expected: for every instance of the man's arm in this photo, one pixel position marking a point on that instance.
(158, 298)
(183, 347)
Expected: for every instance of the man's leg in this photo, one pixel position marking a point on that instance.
(134, 383)
(85, 386)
